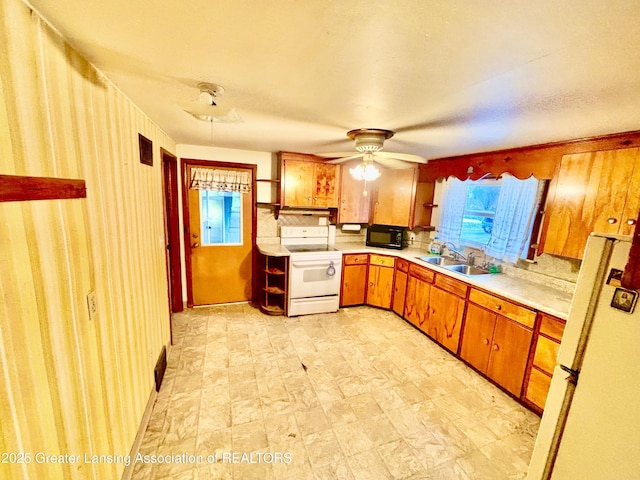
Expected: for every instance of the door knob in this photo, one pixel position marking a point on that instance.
(195, 245)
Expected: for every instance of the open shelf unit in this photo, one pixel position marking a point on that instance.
(275, 205)
(273, 297)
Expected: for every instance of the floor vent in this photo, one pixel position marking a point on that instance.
(161, 366)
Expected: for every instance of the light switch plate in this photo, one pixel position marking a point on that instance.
(92, 305)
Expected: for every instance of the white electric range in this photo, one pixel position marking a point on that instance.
(314, 270)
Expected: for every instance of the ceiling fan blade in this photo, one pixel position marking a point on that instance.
(346, 159)
(337, 154)
(393, 163)
(407, 157)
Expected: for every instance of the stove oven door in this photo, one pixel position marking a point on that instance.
(314, 278)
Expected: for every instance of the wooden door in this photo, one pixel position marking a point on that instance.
(299, 183)
(354, 206)
(172, 230)
(380, 285)
(445, 318)
(399, 291)
(416, 308)
(354, 283)
(395, 194)
(327, 185)
(477, 337)
(221, 263)
(509, 354)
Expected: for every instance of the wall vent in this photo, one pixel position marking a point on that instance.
(161, 366)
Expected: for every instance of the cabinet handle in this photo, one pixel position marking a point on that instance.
(631, 221)
(498, 307)
(309, 198)
(486, 341)
(612, 220)
(495, 347)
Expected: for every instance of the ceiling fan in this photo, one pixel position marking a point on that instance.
(369, 142)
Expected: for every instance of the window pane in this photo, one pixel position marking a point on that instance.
(221, 217)
(480, 208)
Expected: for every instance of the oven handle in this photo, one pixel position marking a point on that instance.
(313, 263)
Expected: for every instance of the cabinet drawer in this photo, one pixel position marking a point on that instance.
(499, 305)
(421, 273)
(551, 326)
(381, 260)
(538, 388)
(451, 285)
(358, 259)
(546, 354)
(402, 264)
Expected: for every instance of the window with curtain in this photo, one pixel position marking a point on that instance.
(494, 215)
(220, 193)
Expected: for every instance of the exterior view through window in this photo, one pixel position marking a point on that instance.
(221, 217)
(479, 211)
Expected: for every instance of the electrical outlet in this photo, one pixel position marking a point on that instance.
(412, 237)
(92, 305)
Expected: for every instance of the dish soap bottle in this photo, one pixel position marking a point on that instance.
(435, 248)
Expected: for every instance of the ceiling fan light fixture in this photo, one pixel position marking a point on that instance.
(365, 171)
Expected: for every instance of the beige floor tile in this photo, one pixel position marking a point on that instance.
(377, 399)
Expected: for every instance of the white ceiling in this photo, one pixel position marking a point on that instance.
(449, 76)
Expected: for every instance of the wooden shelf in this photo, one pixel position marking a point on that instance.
(427, 228)
(267, 180)
(273, 290)
(272, 309)
(275, 271)
(429, 205)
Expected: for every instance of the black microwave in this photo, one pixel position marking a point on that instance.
(386, 236)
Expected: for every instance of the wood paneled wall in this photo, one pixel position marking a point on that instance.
(68, 384)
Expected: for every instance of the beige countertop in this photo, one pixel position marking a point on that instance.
(532, 294)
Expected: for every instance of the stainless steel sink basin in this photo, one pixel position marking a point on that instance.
(442, 261)
(468, 270)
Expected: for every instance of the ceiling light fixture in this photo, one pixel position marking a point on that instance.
(208, 93)
(366, 170)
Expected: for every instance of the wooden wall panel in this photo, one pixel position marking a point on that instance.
(70, 384)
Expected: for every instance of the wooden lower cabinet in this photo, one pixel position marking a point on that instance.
(416, 306)
(446, 311)
(380, 281)
(354, 279)
(496, 346)
(548, 335)
(400, 286)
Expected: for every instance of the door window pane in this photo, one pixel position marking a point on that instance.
(221, 217)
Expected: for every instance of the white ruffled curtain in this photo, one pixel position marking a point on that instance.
(220, 180)
(453, 210)
(514, 217)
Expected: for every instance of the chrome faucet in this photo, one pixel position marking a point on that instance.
(455, 254)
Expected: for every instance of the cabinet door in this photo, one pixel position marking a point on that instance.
(399, 291)
(298, 183)
(632, 205)
(445, 318)
(354, 206)
(477, 337)
(327, 185)
(590, 195)
(354, 281)
(394, 197)
(416, 309)
(509, 354)
(380, 285)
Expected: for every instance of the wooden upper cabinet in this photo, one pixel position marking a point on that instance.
(308, 182)
(395, 197)
(594, 191)
(354, 206)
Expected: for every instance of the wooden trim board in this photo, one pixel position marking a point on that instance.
(16, 188)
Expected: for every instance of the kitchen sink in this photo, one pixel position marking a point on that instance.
(442, 261)
(467, 270)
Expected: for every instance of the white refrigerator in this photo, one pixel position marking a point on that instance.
(590, 428)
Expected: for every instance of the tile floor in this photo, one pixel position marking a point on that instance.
(359, 394)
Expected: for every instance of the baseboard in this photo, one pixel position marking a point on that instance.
(142, 428)
(144, 423)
